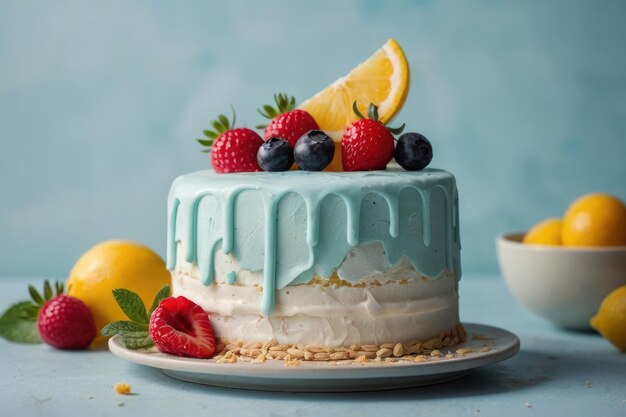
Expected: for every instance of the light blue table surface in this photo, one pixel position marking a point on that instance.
(556, 373)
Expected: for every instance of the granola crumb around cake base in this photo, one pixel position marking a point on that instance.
(295, 354)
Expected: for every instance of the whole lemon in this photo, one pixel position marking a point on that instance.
(595, 220)
(116, 264)
(611, 318)
(547, 232)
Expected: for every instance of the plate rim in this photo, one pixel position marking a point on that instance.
(323, 370)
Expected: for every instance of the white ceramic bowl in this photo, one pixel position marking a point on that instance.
(563, 285)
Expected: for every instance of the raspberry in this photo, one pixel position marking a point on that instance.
(180, 327)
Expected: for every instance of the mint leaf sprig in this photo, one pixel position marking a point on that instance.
(134, 332)
(19, 322)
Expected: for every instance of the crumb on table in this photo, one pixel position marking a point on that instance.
(122, 388)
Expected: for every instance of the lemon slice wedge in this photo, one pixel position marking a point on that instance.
(383, 79)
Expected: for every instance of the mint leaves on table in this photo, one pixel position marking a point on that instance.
(19, 322)
(14, 326)
(134, 332)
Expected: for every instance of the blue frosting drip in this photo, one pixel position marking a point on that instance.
(231, 277)
(294, 224)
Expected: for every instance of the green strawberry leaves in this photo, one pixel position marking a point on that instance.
(134, 332)
(35, 295)
(19, 322)
(284, 103)
(372, 114)
(220, 125)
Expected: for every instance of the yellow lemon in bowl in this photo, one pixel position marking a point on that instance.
(611, 318)
(595, 220)
(116, 264)
(547, 232)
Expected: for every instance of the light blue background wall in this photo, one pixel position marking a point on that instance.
(525, 101)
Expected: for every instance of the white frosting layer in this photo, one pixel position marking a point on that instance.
(394, 303)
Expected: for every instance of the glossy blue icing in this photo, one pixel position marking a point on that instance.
(294, 224)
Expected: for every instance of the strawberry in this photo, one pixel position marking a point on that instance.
(62, 321)
(285, 121)
(367, 144)
(180, 327)
(65, 322)
(232, 149)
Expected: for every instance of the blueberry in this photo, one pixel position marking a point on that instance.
(314, 151)
(276, 154)
(413, 152)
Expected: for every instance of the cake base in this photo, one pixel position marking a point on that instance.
(395, 306)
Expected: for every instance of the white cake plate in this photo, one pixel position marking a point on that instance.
(489, 345)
